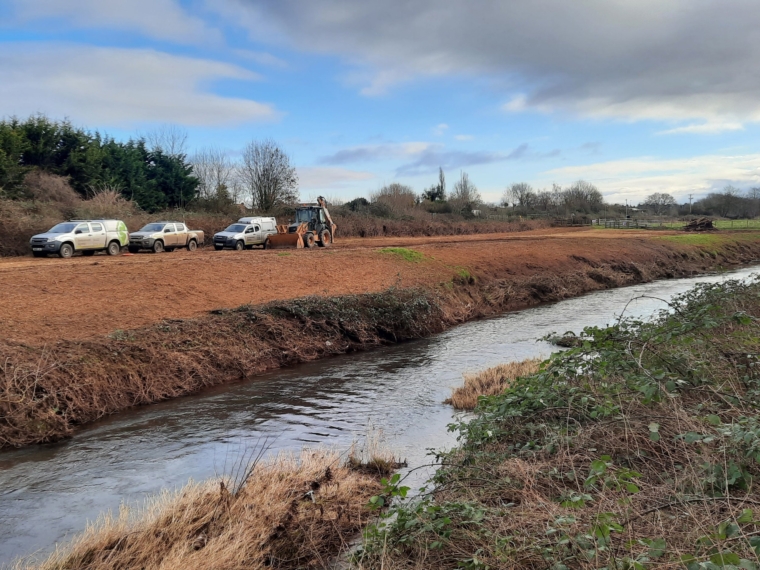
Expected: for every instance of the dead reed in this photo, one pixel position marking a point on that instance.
(490, 382)
(294, 511)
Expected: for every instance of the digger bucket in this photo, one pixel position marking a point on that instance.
(284, 241)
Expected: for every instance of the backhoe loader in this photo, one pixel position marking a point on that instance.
(312, 226)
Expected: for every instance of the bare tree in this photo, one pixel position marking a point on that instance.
(267, 175)
(582, 196)
(465, 196)
(520, 194)
(169, 139)
(660, 202)
(215, 171)
(544, 200)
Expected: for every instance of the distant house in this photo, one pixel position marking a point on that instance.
(476, 212)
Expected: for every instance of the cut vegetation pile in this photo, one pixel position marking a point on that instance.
(291, 512)
(640, 448)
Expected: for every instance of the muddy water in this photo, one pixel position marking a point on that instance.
(48, 493)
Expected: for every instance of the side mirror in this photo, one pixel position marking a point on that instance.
(167, 230)
(77, 232)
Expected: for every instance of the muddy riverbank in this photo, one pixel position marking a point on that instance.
(47, 391)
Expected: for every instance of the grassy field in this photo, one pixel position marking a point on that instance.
(638, 449)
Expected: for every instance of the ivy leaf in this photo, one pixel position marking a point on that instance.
(713, 420)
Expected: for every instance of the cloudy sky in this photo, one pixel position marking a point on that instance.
(636, 96)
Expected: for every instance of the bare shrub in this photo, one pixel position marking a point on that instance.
(490, 382)
(398, 197)
(107, 203)
(46, 187)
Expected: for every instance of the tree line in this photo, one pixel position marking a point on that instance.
(156, 173)
(154, 178)
(153, 170)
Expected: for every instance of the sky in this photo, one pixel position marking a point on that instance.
(635, 96)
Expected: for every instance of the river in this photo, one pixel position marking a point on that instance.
(49, 492)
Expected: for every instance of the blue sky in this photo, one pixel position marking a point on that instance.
(636, 96)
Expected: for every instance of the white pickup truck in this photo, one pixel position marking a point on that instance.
(165, 236)
(87, 236)
(246, 233)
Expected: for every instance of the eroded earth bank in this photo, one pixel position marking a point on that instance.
(84, 338)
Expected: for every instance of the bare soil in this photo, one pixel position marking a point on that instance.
(83, 297)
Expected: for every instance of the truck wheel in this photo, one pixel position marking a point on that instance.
(192, 245)
(158, 246)
(325, 239)
(134, 249)
(267, 244)
(218, 247)
(66, 251)
(88, 252)
(239, 246)
(308, 240)
(114, 248)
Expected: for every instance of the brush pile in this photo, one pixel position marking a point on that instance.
(700, 225)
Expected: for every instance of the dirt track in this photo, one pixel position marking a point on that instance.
(47, 299)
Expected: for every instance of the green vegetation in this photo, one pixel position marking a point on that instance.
(639, 448)
(711, 240)
(150, 177)
(464, 275)
(702, 239)
(404, 253)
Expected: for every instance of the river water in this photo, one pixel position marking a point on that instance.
(48, 493)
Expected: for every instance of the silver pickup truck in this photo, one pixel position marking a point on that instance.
(87, 236)
(165, 236)
(246, 233)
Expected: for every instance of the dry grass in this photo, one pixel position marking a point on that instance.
(291, 512)
(490, 382)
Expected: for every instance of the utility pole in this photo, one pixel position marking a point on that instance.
(690, 198)
(626, 209)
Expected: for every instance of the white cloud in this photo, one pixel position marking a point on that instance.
(665, 60)
(440, 129)
(121, 87)
(464, 137)
(705, 128)
(160, 19)
(635, 178)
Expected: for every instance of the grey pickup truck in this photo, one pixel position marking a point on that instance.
(164, 236)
